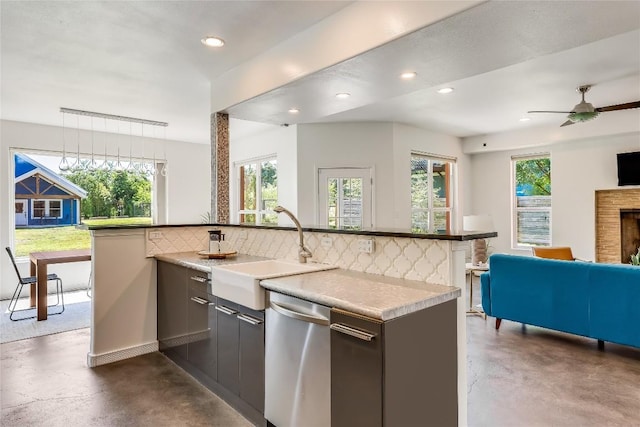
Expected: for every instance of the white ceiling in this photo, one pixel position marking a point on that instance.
(144, 59)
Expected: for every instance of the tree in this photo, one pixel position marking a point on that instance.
(533, 176)
(111, 193)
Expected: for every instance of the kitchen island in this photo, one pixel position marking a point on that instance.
(124, 276)
(405, 373)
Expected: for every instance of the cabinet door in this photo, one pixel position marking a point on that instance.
(228, 344)
(202, 349)
(252, 357)
(172, 310)
(356, 370)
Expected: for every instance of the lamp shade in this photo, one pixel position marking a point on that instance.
(477, 223)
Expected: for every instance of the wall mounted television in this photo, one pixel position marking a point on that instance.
(629, 168)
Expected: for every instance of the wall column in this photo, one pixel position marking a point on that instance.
(220, 167)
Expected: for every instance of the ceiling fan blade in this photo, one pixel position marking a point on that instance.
(561, 112)
(626, 106)
(567, 123)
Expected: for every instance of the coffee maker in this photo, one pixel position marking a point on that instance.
(216, 239)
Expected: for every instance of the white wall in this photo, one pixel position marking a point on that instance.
(578, 168)
(346, 145)
(407, 139)
(188, 182)
(187, 186)
(385, 147)
(276, 140)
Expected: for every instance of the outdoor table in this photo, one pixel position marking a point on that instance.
(39, 263)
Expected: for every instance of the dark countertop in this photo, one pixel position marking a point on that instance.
(385, 232)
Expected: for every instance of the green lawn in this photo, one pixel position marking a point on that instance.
(61, 238)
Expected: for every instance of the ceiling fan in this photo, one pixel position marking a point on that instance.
(585, 111)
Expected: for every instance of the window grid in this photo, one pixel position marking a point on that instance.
(531, 192)
(46, 208)
(258, 191)
(345, 203)
(431, 193)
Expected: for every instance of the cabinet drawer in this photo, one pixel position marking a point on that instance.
(199, 280)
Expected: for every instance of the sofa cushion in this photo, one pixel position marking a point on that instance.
(615, 303)
(543, 292)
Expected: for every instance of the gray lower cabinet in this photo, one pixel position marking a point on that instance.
(172, 310)
(203, 343)
(218, 342)
(228, 345)
(402, 372)
(252, 357)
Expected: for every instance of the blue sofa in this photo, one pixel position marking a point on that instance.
(600, 301)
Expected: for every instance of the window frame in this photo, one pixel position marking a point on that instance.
(259, 213)
(451, 209)
(47, 208)
(515, 244)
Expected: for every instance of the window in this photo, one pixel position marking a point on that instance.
(46, 209)
(46, 219)
(431, 193)
(345, 203)
(531, 201)
(258, 191)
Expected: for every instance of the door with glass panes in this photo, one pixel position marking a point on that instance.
(344, 198)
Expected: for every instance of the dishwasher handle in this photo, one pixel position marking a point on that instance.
(356, 333)
(319, 320)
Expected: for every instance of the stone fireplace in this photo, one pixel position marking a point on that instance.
(617, 224)
(629, 232)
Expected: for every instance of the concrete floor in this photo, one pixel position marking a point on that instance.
(517, 377)
(46, 382)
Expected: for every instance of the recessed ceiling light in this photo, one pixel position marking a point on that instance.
(445, 90)
(212, 41)
(408, 75)
(525, 119)
(294, 110)
(343, 95)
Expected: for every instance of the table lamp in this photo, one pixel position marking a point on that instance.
(478, 246)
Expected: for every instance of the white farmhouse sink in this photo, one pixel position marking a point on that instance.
(240, 283)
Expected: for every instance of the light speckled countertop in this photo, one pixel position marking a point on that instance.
(370, 295)
(195, 261)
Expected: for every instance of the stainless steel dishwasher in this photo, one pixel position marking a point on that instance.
(297, 362)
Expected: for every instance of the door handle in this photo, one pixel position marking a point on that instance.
(348, 330)
(201, 301)
(250, 319)
(199, 279)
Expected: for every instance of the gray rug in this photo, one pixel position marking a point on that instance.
(77, 315)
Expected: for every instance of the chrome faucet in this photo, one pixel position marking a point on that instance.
(303, 252)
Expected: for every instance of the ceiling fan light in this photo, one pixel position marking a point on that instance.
(583, 116)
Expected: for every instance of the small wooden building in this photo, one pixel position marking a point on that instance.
(43, 197)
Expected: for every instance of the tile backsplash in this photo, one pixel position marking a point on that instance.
(401, 257)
